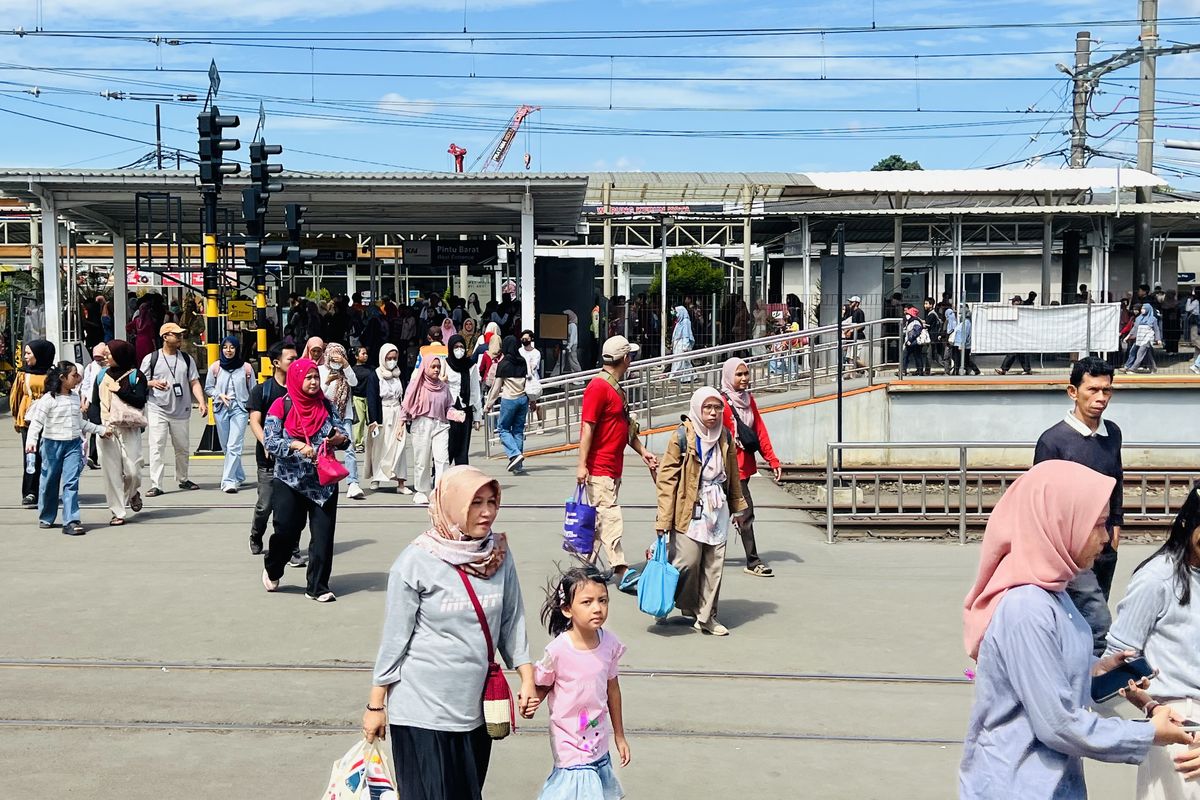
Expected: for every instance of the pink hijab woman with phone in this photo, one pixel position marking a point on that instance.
(1032, 725)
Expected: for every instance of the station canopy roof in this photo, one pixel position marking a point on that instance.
(337, 203)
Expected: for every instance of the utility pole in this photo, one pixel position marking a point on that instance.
(1080, 92)
(1143, 238)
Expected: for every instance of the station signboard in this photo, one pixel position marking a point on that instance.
(447, 252)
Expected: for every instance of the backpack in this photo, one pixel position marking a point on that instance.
(187, 362)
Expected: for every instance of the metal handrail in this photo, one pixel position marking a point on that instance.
(650, 387)
(962, 472)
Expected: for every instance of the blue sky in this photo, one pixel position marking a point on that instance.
(740, 122)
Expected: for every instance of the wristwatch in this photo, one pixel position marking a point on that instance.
(1151, 707)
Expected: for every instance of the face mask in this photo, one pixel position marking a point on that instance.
(391, 363)
(459, 352)
(336, 367)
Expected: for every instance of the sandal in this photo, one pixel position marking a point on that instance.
(760, 570)
(116, 521)
(135, 502)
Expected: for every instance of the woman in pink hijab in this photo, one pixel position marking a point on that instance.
(425, 405)
(1032, 725)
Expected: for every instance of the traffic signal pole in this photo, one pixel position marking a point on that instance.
(211, 284)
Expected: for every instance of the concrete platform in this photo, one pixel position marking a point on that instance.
(773, 711)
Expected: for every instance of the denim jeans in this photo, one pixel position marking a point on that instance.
(61, 461)
(348, 459)
(511, 425)
(231, 428)
(1089, 592)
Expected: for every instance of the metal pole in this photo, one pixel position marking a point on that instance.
(662, 286)
(962, 494)
(841, 366)
(806, 260)
(1143, 239)
(1047, 258)
(829, 491)
(1083, 48)
(158, 135)
(211, 292)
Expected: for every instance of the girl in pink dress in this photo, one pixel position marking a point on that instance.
(579, 675)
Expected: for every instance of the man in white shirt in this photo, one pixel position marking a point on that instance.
(174, 381)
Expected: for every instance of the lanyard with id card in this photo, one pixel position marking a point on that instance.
(698, 506)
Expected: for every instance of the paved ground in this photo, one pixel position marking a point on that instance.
(176, 586)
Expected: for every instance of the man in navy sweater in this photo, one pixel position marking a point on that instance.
(1085, 438)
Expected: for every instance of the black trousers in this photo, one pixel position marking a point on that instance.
(1013, 357)
(262, 508)
(962, 360)
(460, 441)
(292, 509)
(914, 356)
(440, 765)
(29, 482)
(746, 529)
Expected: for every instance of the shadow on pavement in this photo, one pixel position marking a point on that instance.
(735, 612)
(346, 547)
(769, 557)
(358, 582)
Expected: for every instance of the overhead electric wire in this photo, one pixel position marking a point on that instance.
(613, 34)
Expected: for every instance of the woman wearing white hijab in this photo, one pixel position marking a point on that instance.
(682, 341)
(698, 493)
(385, 451)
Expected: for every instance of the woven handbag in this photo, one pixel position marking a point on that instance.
(499, 712)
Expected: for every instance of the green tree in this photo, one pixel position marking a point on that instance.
(895, 162)
(689, 273)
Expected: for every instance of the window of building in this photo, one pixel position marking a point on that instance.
(978, 287)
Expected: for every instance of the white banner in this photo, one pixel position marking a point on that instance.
(1004, 328)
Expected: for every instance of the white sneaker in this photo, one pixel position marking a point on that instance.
(420, 499)
(269, 584)
(355, 492)
(374, 486)
(404, 490)
(1195, 369)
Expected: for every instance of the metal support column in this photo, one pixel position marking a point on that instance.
(957, 287)
(606, 281)
(1080, 91)
(806, 261)
(1047, 258)
(528, 243)
(747, 238)
(211, 289)
(1143, 237)
(120, 302)
(897, 254)
(662, 293)
(51, 285)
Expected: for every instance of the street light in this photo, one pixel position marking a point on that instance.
(662, 285)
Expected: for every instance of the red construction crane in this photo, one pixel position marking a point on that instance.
(499, 147)
(459, 154)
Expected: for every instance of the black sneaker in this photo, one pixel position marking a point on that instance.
(299, 559)
(514, 463)
(256, 547)
(29, 501)
(74, 529)
(154, 492)
(187, 485)
(45, 525)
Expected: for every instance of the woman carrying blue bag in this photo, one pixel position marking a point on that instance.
(698, 495)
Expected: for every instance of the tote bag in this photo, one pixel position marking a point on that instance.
(361, 774)
(657, 583)
(579, 525)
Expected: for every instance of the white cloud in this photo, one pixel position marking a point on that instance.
(394, 103)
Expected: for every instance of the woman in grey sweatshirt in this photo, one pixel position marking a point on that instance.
(433, 660)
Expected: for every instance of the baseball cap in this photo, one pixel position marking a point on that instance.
(855, 299)
(617, 347)
(170, 327)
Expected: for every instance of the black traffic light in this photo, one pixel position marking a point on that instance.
(211, 124)
(260, 170)
(293, 215)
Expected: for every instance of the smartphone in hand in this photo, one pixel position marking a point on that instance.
(1107, 686)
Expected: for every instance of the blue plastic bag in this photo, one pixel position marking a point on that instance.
(657, 583)
(579, 525)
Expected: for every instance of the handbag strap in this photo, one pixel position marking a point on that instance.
(487, 633)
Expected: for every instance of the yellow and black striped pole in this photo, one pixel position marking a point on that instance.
(210, 442)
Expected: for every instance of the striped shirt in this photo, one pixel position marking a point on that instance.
(1151, 621)
(59, 417)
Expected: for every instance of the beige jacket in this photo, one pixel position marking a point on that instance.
(679, 480)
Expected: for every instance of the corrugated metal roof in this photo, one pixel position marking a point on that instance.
(299, 175)
(946, 181)
(1180, 207)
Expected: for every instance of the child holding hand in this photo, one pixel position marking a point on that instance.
(579, 676)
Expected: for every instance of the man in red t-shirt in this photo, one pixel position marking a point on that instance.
(603, 434)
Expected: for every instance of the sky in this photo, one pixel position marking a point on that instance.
(387, 85)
